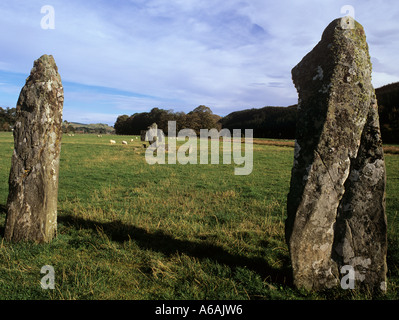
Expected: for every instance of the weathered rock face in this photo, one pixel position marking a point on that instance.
(33, 181)
(336, 204)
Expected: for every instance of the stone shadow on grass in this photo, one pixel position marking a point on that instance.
(168, 245)
(3, 210)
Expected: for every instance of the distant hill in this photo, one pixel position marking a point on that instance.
(76, 127)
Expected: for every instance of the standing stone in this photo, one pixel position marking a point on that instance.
(336, 204)
(150, 134)
(33, 181)
(142, 135)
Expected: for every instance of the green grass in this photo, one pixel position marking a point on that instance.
(129, 230)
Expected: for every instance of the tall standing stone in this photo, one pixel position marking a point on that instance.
(33, 180)
(336, 204)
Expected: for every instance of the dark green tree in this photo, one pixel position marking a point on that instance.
(7, 118)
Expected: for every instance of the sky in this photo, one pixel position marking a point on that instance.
(120, 57)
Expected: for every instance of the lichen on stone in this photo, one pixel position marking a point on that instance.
(338, 176)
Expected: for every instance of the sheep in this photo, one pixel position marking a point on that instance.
(124, 142)
(99, 135)
(112, 141)
(131, 140)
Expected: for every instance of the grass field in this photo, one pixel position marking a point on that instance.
(130, 230)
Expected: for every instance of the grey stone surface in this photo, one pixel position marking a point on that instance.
(33, 180)
(338, 176)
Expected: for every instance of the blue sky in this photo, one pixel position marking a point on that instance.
(120, 57)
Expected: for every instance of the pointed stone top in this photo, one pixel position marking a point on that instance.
(345, 28)
(347, 24)
(44, 69)
(43, 78)
(343, 43)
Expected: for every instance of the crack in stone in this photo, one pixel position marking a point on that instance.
(328, 171)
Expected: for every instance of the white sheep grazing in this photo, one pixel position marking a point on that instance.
(131, 140)
(124, 142)
(112, 141)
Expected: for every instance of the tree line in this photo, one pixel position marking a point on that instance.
(7, 118)
(388, 109)
(201, 117)
(267, 122)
